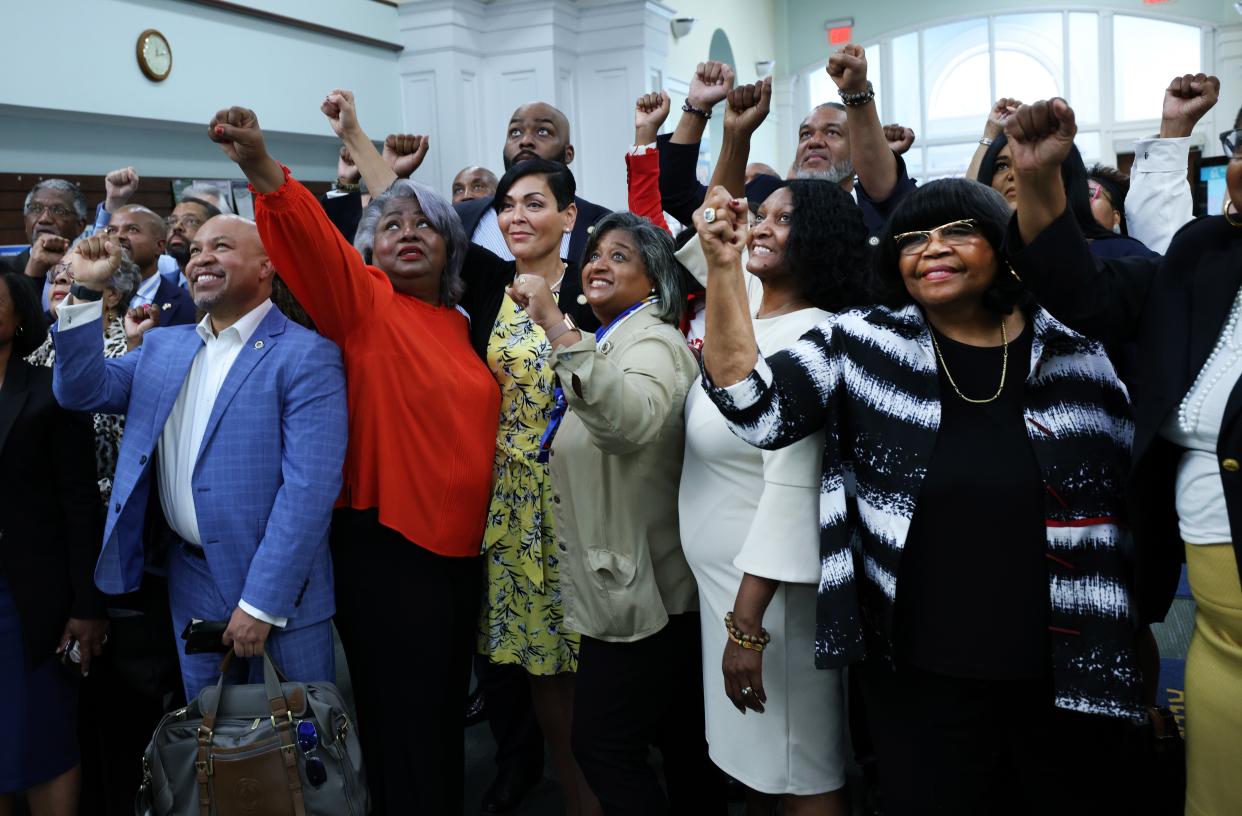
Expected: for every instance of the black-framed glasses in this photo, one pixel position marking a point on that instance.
(1231, 141)
(954, 233)
(36, 209)
(308, 741)
(187, 221)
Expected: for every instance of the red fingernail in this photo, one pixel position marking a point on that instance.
(219, 130)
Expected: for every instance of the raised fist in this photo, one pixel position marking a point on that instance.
(848, 68)
(237, 132)
(139, 321)
(724, 236)
(93, 261)
(119, 186)
(1040, 136)
(339, 107)
(404, 152)
(650, 111)
(711, 83)
(748, 106)
(346, 170)
(47, 250)
(900, 139)
(1001, 110)
(1186, 100)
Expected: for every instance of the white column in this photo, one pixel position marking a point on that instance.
(468, 64)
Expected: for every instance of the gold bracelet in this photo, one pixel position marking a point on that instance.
(754, 647)
(742, 639)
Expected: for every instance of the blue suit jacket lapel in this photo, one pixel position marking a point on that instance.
(177, 368)
(256, 348)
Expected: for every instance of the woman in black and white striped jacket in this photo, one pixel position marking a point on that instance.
(976, 563)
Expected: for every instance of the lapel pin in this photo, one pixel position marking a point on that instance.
(258, 344)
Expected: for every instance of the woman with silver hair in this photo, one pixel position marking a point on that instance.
(418, 469)
(615, 445)
(117, 342)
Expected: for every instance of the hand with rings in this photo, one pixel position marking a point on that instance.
(723, 227)
(532, 293)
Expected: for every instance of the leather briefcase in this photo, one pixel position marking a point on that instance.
(277, 749)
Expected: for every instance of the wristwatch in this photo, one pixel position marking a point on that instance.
(83, 294)
(566, 324)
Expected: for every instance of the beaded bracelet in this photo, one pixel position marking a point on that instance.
(688, 108)
(756, 643)
(856, 99)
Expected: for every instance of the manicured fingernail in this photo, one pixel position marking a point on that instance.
(219, 130)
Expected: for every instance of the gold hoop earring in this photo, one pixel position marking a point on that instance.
(1225, 212)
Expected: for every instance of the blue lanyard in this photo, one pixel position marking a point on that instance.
(561, 404)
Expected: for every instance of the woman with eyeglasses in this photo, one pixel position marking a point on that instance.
(974, 568)
(1184, 312)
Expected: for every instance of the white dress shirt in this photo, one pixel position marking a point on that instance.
(1159, 202)
(488, 235)
(182, 436)
(145, 295)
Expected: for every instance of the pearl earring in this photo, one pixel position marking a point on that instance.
(582, 300)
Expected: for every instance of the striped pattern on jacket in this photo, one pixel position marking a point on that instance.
(869, 378)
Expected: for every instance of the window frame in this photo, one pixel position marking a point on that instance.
(1115, 136)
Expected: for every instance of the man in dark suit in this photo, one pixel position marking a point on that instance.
(143, 234)
(536, 131)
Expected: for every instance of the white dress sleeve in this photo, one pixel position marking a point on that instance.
(783, 541)
(1159, 202)
(692, 258)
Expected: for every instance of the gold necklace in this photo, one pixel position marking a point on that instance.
(1004, 368)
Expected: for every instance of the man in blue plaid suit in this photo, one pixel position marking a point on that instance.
(239, 425)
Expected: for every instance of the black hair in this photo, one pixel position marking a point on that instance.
(827, 249)
(930, 206)
(1073, 178)
(211, 209)
(559, 178)
(1117, 185)
(31, 328)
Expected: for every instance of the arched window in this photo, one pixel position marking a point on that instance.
(941, 80)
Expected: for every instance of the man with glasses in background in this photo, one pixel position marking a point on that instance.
(55, 215)
(189, 214)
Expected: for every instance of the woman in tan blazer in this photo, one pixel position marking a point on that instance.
(615, 456)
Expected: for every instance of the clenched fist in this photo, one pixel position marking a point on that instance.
(711, 83)
(237, 132)
(93, 262)
(404, 152)
(848, 68)
(1186, 100)
(1040, 137)
(747, 107)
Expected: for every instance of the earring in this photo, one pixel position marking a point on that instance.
(1225, 212)
(20, 331)
(582, 300)
(1015, 274)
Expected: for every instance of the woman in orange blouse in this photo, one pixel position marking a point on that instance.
(423, 412)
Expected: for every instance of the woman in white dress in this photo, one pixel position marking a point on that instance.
(750, 528)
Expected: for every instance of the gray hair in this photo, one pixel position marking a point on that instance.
(656, 248)
(444, 220)
(125, 281)
(835, 173)
(62, 186)
(211, 194)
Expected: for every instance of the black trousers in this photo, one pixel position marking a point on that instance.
(630, 696)
(511, 717)
(132, 685)
(965, 747)
(407, 618)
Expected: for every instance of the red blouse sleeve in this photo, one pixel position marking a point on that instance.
(643, 175)
(324, 272)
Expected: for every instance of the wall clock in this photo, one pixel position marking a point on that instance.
(154, 55)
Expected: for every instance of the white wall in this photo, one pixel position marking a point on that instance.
(75, 101)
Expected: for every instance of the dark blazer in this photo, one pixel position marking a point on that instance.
(472, 211)
(344, 211)
(1173, 309)
(180, 306)
(486, 277)
(50, 516)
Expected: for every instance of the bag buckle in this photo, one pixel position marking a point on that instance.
(288, 715)
(204, 767)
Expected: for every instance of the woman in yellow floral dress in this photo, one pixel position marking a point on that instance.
(522, 611)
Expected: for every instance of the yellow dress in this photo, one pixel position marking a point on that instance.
(522, 610)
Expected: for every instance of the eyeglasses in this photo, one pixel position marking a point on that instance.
(954, 233)
(56, 270)
(58, 210)
(308, 741)
(1231, 141)
(187, 221)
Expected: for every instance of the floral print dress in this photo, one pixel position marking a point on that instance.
(522, 611)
